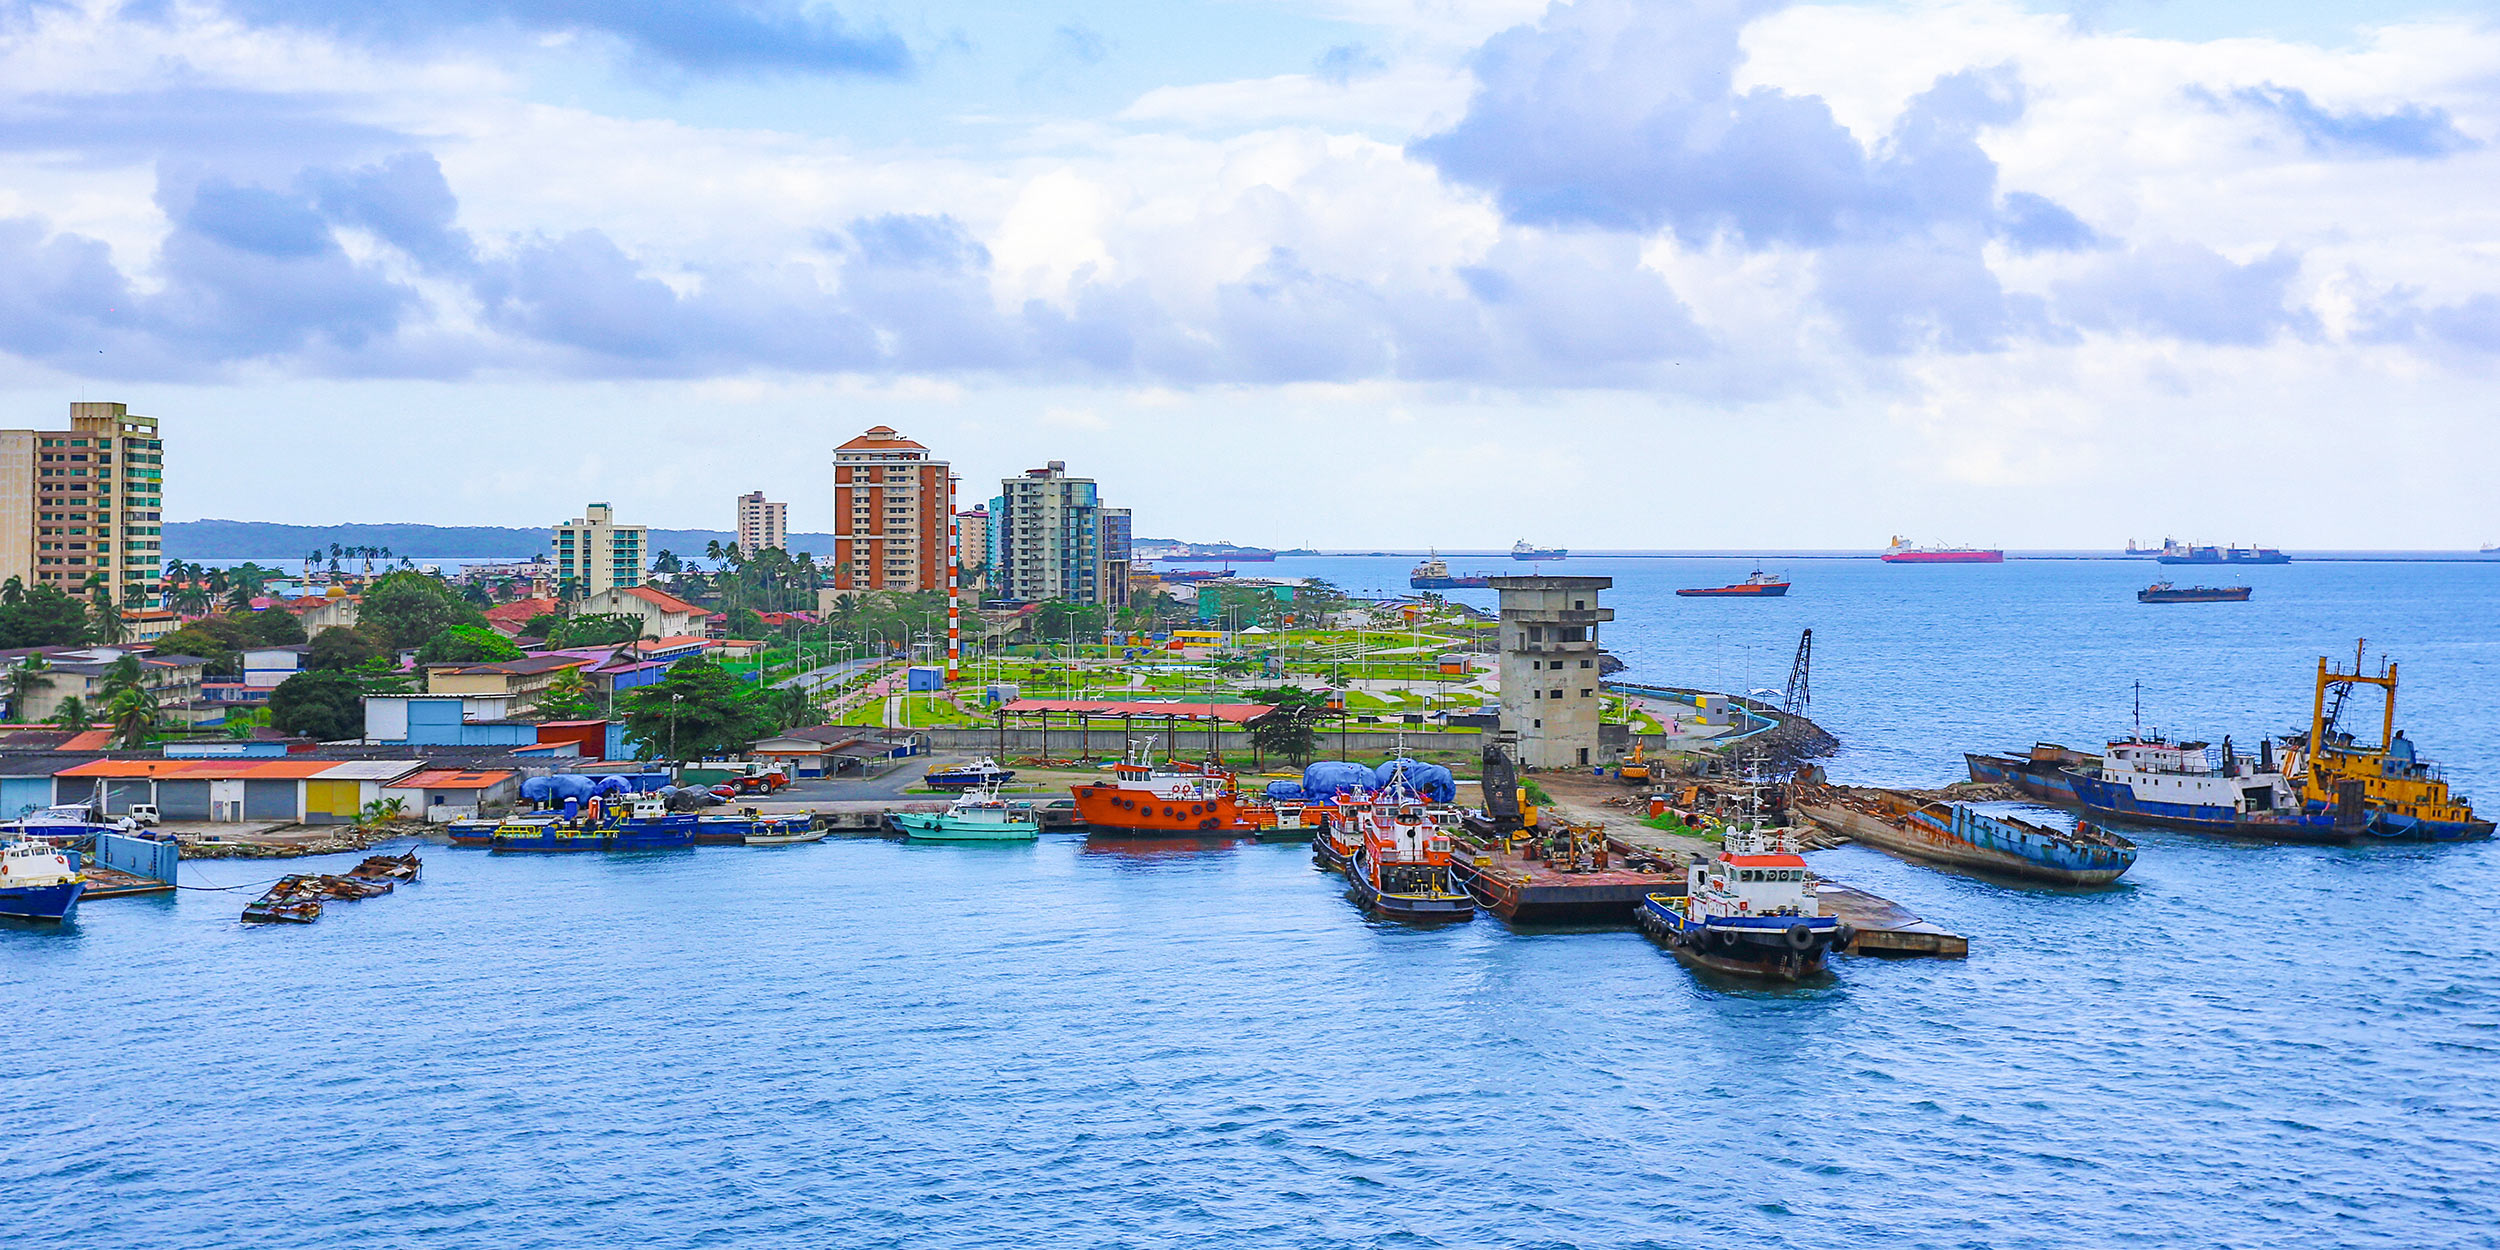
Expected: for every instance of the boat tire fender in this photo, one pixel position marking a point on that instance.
(1800, 937)
(1843, 936)
(1207, 825)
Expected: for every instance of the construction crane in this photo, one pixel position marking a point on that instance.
(1799, 674)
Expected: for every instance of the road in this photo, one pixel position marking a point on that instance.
(817, 679)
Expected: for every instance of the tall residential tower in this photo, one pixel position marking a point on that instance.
(891, 505)
(594, 554)
(1051, 538)
(85, 502)
(762, 523)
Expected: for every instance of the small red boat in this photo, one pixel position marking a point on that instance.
(1759, 586)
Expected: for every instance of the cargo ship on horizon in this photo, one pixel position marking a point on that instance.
(1760, 585)
(1522, 551)
(2173, 552)
(1902, 551)
(1434, 574)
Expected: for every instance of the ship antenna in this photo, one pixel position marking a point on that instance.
(2139, 710)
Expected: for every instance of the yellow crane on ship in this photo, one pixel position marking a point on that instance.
(2405, 796)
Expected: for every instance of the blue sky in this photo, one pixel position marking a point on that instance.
(1983, 270)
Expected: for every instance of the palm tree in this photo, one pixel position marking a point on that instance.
(28, 679)
(132, 712)
(72, 713)
(109, 625)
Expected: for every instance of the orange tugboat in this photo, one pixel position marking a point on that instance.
(1171, 799)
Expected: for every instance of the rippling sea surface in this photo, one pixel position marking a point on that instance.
(864, 1043)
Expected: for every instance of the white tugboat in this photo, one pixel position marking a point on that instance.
(1748, 910)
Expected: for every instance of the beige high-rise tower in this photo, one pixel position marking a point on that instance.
(595, 555)
(762, 523)
(85, 502)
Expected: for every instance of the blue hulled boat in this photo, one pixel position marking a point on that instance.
(984, 773)
(1749, 910)
(647, 825)
(39, 881)
(2196, 789)
(1958, 836)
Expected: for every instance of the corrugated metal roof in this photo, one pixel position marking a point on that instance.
(446, 779)
(371, 770)
(204, 770)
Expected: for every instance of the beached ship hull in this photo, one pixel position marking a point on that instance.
(1973, 840)
(2048, 783)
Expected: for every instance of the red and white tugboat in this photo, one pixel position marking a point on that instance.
(1401, 861)
(1748, 910)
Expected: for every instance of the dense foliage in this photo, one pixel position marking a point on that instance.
(467, 644)
(410, 609)
(40, 616)
(340, 649)
(326, 705)
(702, 709)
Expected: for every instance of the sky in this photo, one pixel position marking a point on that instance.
(1337, 273)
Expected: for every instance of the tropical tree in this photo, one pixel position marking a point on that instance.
(132, 712)
(467, 644)
(667, 562)
(381, 812)
(567, 697)
(595, 629)
(324, 705)
(1292, 728)
(276, 627)
(699, 709)
(41, 616)
(411, 608)
(72, 714)
(30, 678)
(104, 619)
(242, 722)
(338, 650)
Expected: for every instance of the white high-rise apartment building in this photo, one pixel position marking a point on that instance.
(762, 523)
(595, 555)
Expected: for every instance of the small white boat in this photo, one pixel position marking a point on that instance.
(768, 832)
(977, 816)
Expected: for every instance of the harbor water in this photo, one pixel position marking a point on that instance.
(1073, 1043)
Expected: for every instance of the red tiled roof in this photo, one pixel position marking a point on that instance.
(92, 740)
(665, 601)
(880, 438)
(1235, 713)
(520, 610)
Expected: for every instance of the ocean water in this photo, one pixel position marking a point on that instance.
(1076, 1043)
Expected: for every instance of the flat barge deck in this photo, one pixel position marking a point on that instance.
(1525, 891)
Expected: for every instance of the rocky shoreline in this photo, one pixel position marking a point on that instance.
(297, 841)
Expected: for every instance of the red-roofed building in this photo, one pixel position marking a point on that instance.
(663, 615)
(508, 618)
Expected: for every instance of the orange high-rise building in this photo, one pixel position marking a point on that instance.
(891, 505)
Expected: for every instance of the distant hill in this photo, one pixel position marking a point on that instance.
(268, 540)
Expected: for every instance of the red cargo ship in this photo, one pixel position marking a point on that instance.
(1901, 552)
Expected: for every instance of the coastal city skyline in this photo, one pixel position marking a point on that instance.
(1303, 623)
(1987, 272)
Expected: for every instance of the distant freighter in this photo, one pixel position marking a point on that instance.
(2182, 553)
(1522, 551)
(1901, 552)
(1434, 574)
(2164, 592)
(1759, 586)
